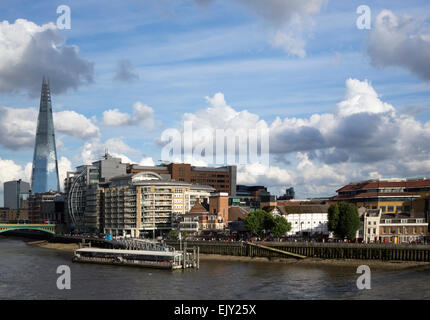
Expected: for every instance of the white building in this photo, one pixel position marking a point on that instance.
(370, 227)
(306, 220)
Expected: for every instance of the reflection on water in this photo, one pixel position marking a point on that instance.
(30, 273)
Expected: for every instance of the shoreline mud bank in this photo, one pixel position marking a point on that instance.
(70, 247)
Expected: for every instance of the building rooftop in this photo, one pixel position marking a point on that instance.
(386, 183)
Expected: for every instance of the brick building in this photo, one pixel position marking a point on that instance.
(223, 179)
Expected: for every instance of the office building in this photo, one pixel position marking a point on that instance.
(45, 167)
(16, 194)
(252, 197)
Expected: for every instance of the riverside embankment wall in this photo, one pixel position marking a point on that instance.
(316, 250)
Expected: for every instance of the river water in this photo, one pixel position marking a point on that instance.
(30, 273)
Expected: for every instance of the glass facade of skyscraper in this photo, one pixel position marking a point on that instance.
(45, 167)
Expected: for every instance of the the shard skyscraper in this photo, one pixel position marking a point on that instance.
(45, 167)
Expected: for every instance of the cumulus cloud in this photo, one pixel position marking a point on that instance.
(400, 41)
(125, 71)
(75, 124)
(9, 170)
(142, 115)
(94, 150)
(64, 166)
(19, 126)
(147, 161)
(363, 137)
(29, 51)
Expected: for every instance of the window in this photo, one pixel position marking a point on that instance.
(383, 208)
(399, 209)
(390, 209)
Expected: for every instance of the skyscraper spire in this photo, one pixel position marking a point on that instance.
(45, 167)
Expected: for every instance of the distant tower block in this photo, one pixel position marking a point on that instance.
(45, 167)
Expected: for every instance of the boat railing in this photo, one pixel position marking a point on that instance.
(140, 244)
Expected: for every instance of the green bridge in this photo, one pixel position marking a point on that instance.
(49, 228)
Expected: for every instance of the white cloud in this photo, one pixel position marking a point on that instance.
(290, 19)
(28, 52)
(116, 118)
(291, 44)
(94, 150)
(146, 161)
(361, 97)
(400, 41)
(9, 170)
(19, 126)
(75, 124)
(142, 115)
(364, 137)
(64, 165)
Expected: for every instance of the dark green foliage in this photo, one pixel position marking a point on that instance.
(260, 222)
(282, 226)
(343, 220)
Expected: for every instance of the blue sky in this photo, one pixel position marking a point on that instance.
(184, 51)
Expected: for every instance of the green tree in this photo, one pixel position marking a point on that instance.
(343, 220)
(333, 217)
(281, 227)
(259, 220)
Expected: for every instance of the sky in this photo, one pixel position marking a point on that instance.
(343, 93)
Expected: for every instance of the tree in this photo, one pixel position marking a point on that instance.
(282, 226)
(343, 220)
(259, 221)
(333, 217)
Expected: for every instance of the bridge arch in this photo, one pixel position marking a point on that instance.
(45, 228)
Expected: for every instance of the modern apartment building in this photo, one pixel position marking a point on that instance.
(146, 203)
(223, 179)
(84, 192)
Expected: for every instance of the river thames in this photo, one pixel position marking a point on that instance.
(30, 273)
